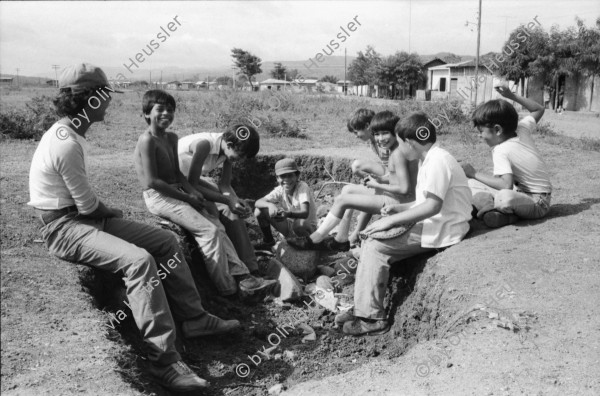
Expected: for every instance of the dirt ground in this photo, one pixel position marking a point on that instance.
(505, 312)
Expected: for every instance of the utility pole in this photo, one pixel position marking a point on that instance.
(409, 22)
(55, 67)
(345, 88)
(232, 76)
(477, 59)
(17, 76)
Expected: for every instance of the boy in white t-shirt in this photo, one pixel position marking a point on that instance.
(520, 186)
(290, 207)
(440, 214)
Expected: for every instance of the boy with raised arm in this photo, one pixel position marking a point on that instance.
(168, 194)
(520, 185)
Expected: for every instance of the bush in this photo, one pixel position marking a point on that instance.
(282, 128)
(30, 123)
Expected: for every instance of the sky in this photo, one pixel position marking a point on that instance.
(36, 35)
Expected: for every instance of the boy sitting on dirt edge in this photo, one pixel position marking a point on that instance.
(168, 194)
(520, 186)
(438, 218)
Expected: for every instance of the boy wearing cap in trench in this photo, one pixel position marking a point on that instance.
(290, 207)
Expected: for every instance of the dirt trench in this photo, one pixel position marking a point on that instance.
(419, 308)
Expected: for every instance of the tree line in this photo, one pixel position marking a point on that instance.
(551, 55)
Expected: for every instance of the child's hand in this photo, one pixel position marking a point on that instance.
(504, 91)
(273, 210)
(370, 182)
(380, 225)
(468, 169)
(390, 210)
(196, 200)
(239, 207)
(198, 196)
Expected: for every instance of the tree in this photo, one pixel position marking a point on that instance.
(401, 70)
(293, 74)
(225, 80)
(330, 79)
(248, 64)
(364, 69)
(451, 58)
(589, 53)
(279, 72)
(521, 51)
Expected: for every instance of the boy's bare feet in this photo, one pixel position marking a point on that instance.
(177, 377)
(208, 324)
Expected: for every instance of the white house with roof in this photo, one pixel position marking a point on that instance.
(457, 81)
(307, 84)
(188, 85)
(273, 84)
(358, 90)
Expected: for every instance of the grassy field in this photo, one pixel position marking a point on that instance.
(55, 340)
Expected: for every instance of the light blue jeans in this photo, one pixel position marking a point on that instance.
(220, 257)
(137, 251)
(373, 270)
(524, 205)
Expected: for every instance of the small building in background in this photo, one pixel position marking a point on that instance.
(306, 85)
(6, 80)
(187, 85)
(457, 81)
(273, 84)
(173, 85)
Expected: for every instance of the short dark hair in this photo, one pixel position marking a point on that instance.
(68, 103)
(499, 112)
(384, 121)
(416, 127)
(360, 120)
(156, 96)
(244, 139)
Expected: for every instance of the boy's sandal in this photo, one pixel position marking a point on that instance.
(388, 234)
(358, 327)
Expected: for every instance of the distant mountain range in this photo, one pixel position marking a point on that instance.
(331, 65)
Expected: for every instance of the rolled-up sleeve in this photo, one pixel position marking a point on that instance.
(69, 162)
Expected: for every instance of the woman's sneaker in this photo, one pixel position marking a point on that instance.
(178, 377)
